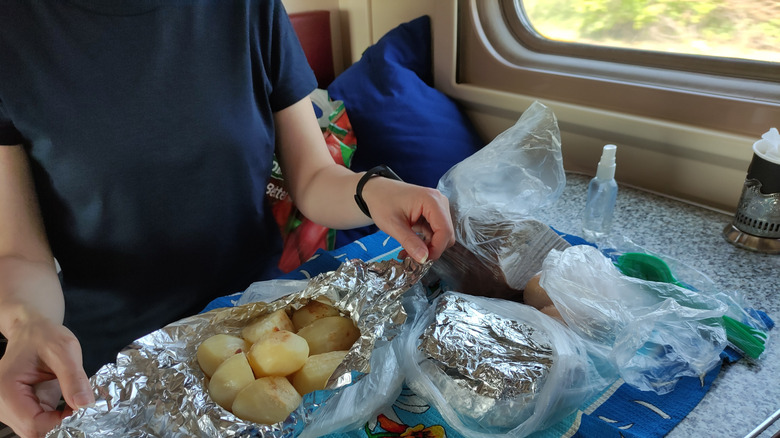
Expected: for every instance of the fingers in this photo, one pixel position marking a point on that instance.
(435, 225)
(425, 230)
(39, 425)
(36, 364)
(20, 405)
(48, 420)
(48, 394)
(442, 236)
(64, 360)
(413, 245)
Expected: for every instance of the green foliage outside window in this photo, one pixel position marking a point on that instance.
(733, 28)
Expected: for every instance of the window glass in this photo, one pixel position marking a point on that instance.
(744, 29)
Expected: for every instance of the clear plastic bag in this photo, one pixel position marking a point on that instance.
(354, 405)
(650, 333)
(518, 172)
(691, 278)
(359, 403)
(551, 372)
(493, 195)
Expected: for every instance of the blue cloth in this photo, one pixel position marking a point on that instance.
(619, 411)
(398, 117)
(149, 126)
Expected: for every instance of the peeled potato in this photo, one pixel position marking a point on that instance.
(312, 311)
(273, 322)
(331, 333)
(316, 371)
(552, 311)
(229, 378)
(278, 354)
(267, 400)
(214, 350)
(534, 295)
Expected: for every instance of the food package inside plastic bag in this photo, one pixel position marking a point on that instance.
(496, 367)
(689, 277)
(651, 333)
(157, 388)
(493, 195)
(515, 251)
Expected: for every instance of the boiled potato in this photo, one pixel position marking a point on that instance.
(272, 322)
(552, 311)
(316, 371)
(214, 350)
(312, 311)
(534, 295)
(278, 354)
(331, 333)
(229, 378)
(267, 400)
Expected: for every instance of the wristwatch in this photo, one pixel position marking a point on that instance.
(381, 170)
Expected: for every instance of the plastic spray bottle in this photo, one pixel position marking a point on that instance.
(602, 194)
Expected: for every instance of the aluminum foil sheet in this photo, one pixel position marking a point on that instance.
(489, 367)
(156, 388)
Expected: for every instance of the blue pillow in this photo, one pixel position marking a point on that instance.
(399, 119)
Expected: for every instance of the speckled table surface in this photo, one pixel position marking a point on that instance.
(747, 392)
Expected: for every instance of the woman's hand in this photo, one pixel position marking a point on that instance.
(42, 362)
(417, 217)
(42, 356)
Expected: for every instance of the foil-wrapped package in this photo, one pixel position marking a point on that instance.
(156, 388)
(485, 358)
(508, 359)
(496, 367)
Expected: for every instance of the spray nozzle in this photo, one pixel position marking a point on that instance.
(606, 169)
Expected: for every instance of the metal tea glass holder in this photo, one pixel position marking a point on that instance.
(756, 224)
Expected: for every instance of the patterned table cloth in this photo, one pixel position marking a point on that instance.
(619, 411)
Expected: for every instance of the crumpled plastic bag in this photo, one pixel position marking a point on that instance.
(692, 278)
(518, 172)
(493, 195)
(493, 367)
(649, 333)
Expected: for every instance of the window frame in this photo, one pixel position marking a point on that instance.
(490, 55)
(521, 26)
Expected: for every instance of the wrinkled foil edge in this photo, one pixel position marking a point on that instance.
(156, 388)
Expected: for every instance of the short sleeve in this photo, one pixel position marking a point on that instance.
(291, 76)
(9, 135)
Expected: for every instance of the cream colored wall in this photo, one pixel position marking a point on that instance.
(387, 14)
(357, 24)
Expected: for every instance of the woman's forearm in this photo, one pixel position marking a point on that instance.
(29, 291)
(29, 287)
(320, 188)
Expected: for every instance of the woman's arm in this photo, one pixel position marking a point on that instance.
(324, 191)
(24, 250)
(319, 187)
(40, 349)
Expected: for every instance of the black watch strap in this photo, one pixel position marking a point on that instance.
(381, 170)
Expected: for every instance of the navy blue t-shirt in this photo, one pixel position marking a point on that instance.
(149, 126)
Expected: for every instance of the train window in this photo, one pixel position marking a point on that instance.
(741, 29)
(589, 52)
